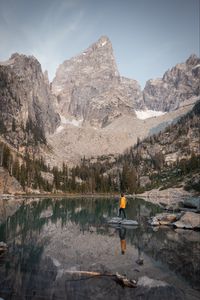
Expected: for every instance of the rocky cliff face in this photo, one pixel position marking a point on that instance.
(177, 86)
(89, 86)
(27, 110)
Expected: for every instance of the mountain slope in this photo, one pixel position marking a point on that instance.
(72, 141)
(168, 159)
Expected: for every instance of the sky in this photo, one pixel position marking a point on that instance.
(148, 36)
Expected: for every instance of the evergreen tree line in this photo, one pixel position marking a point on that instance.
(84, 178)
(26, 170)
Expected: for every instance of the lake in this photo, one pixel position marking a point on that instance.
(52, 243)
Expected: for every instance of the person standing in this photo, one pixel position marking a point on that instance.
(122, 206)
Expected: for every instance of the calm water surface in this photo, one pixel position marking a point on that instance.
(51, 240)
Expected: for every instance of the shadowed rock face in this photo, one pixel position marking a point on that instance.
(89, 86)
(25, 99)
(177, 86)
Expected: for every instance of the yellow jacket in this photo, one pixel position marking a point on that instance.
(122, 202)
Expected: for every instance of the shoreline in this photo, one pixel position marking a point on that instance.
(171, 196)
(168, 197)
(59, 195)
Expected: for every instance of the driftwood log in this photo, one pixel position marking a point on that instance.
(119, 279)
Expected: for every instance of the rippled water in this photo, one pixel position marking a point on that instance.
(51, 240)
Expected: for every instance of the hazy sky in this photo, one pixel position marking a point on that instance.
(148, 36)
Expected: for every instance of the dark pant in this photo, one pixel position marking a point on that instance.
(122, 233)
(120, 211)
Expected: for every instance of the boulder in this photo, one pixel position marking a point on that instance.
(189, 220)
(164, 219)
(154, 222)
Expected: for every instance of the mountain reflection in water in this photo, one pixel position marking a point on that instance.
(50, 238)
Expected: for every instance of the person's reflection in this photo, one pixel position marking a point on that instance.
(140, 260)
(139, 232)
(122, 235)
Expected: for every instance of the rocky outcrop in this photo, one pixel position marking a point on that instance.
(189, 220)
(164, 219)
(89, 86)
(177, 86)
(27, 109)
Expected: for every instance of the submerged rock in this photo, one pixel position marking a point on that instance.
(117, 220)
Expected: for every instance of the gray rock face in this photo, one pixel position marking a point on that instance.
(25, 99)
(89, 86)
(178, 85)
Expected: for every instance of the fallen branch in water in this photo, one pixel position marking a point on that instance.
(120, 279)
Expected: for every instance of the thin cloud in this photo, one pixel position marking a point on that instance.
(47, 48)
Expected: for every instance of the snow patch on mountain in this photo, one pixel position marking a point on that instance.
(64, 121)
(146, 114)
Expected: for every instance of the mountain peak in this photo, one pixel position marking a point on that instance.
(17, 56)
(89, 86)
(102, 46)
(193, 60)
(103, 40)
